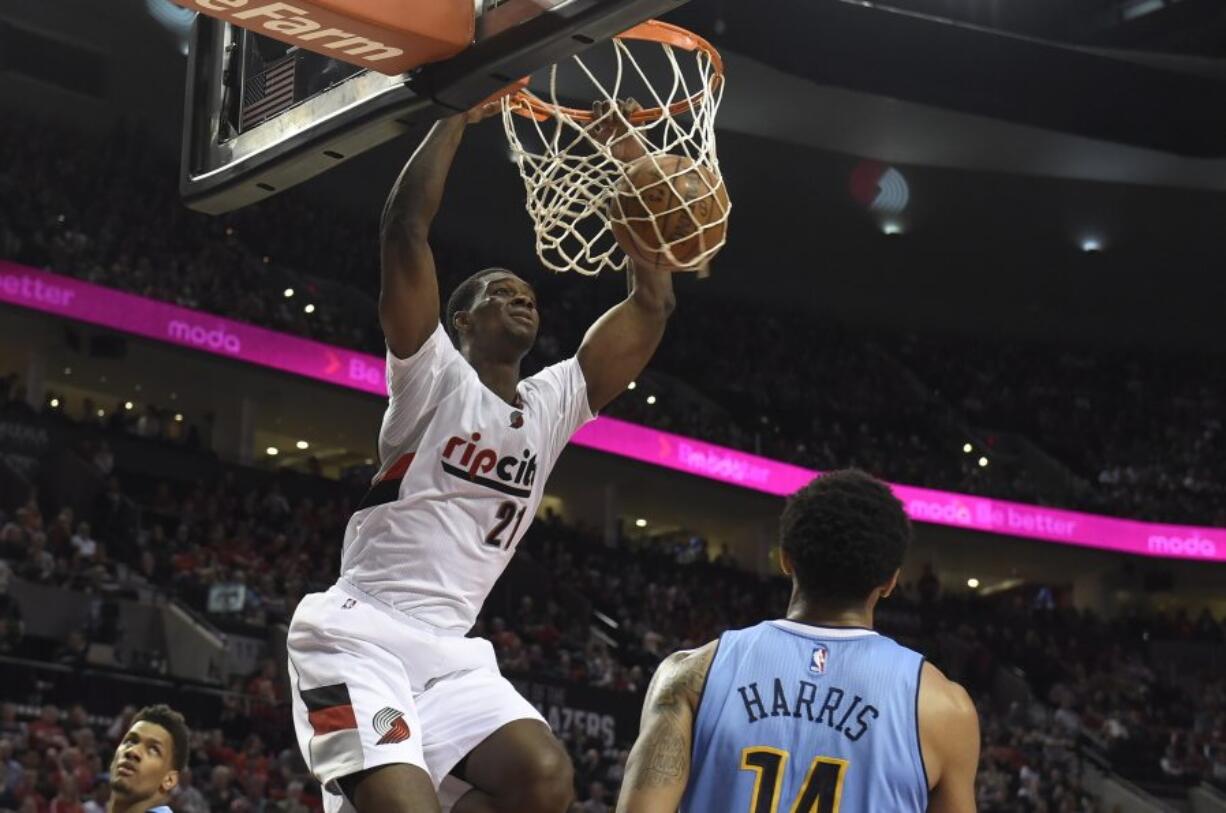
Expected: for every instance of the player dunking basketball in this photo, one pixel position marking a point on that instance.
(389, 695)
(815, 712)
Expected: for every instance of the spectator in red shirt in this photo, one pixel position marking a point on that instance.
(263, 687)
(73, 764)
(219, 753)
(252, 760)
(68, 800)
(46, 730)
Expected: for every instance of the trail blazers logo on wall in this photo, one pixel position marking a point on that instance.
(390, 723)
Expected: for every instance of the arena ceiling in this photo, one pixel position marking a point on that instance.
(1024, 130)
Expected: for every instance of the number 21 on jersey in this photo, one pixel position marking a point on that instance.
(821, 792)
(498, 536)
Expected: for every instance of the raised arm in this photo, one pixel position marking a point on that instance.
(621, 342)
(408, 297)
(659, 764)
(949, 739)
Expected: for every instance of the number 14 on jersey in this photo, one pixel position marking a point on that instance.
(821, 792)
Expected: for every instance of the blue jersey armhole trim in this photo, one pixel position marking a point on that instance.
(706, 679)
(919, 744)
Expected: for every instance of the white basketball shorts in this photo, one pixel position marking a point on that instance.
(371, 687)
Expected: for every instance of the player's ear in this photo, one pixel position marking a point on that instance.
(785, 562)
(462, 321)
(891, 584)
(169, 782)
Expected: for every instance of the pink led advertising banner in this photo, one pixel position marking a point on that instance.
(81, 301)
(85, 302)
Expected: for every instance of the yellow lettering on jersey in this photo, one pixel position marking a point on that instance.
(821, 792)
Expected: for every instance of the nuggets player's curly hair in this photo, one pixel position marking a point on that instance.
(846, 533)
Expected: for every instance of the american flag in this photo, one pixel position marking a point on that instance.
(268, 92)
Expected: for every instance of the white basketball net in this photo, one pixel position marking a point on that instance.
(571, 177)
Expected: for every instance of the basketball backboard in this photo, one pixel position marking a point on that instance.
(263, 115)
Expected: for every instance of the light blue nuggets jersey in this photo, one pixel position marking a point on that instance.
(804, 719)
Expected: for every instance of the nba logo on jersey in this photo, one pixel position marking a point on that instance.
(818, 665)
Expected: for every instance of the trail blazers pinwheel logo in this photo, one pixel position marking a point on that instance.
(391, 725)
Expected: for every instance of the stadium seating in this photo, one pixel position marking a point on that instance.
(1131, 434)
(1137, 693)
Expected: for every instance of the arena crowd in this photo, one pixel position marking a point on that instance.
(1092, 686)
(1119, 431)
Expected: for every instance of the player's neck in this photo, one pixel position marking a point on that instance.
(499, 377)
(809, 612)
(117, 805)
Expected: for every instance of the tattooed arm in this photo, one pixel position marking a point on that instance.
(659, 764)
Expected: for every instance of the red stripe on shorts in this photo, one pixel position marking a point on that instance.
(334, 718)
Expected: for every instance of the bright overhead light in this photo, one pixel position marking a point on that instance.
(1091, 245)
(972, 583)
(179, 417)
(891, 228)
(651, 399)
(966, 447)
(1139, 8)
(302, 444)
(640, 523)
(983, 461)
(102, 413)
(632, 385)
(289, 292)
(273, 451)
(309, 308)
(128, 404)
(55, 402)
(173, 18)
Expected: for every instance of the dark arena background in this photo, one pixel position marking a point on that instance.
(976, 251)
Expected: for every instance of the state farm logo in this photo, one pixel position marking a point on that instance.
(510, 474)
(1194, 545)
(294, 24)
(215, 339)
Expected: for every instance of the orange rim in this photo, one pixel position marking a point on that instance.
(527, 104)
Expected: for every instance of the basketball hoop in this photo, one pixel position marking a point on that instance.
(571, 176)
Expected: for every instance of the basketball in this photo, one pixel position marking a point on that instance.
(669, 214)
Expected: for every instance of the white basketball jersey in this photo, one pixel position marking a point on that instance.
(462, 473)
